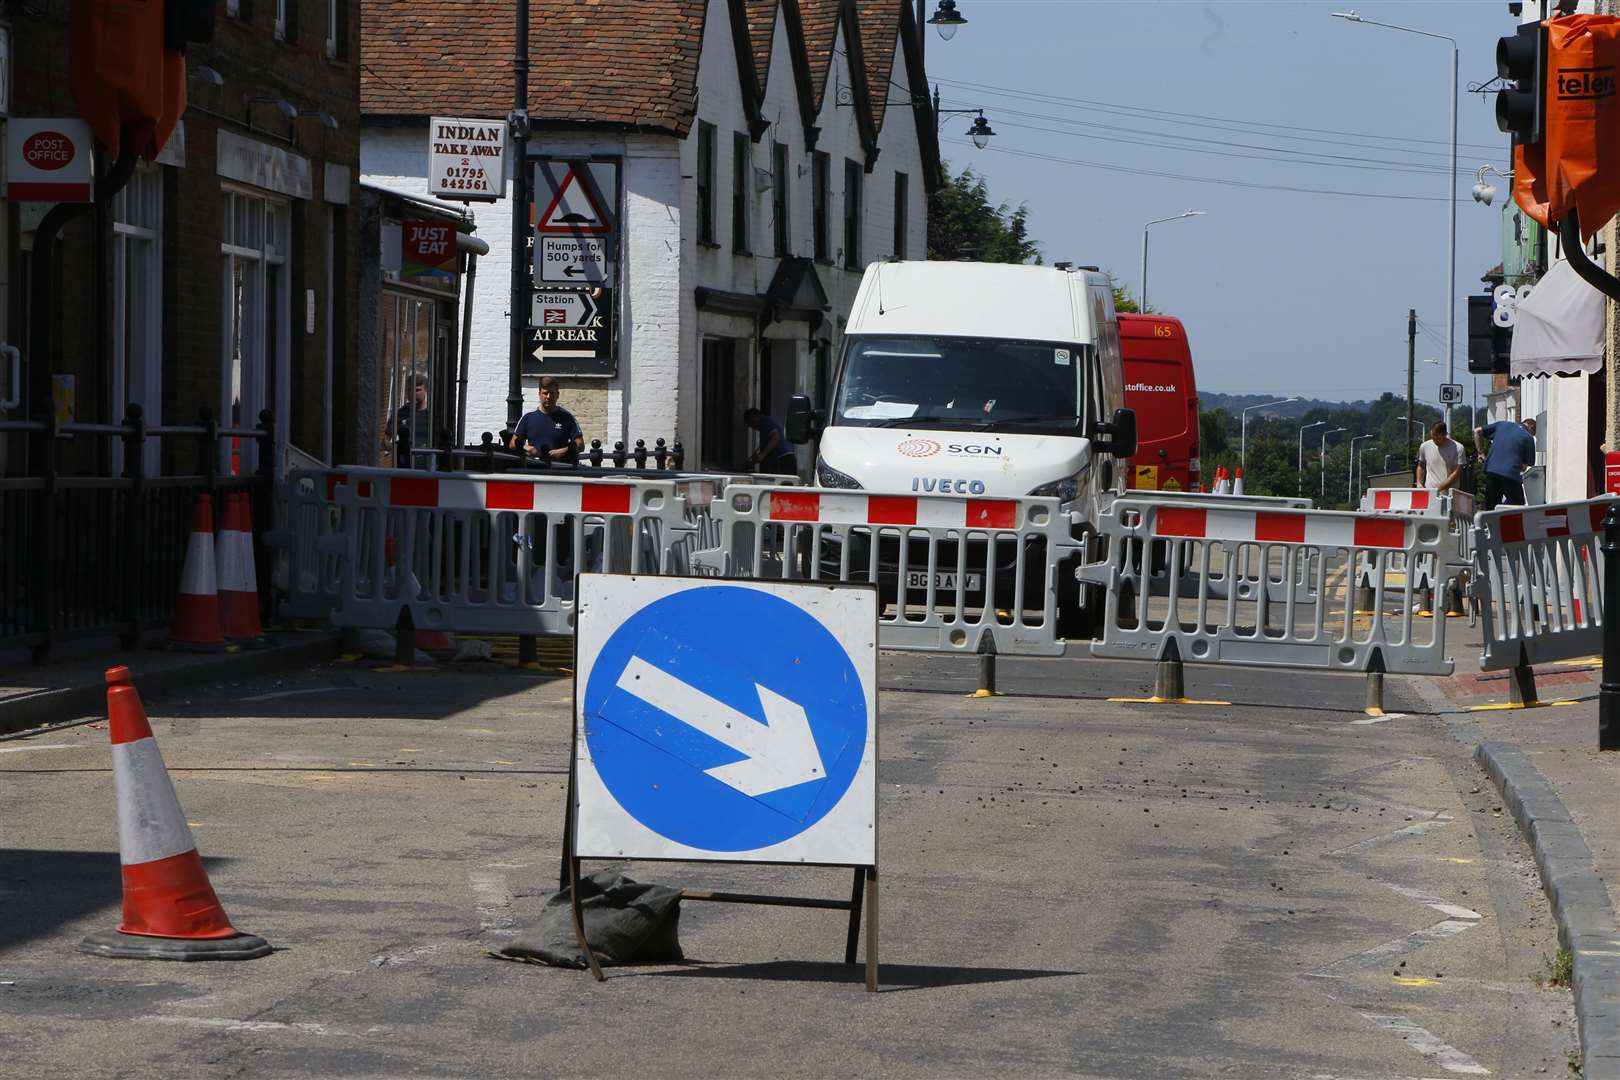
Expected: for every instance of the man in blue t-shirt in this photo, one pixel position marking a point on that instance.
(1512, 450)
(774, 454)
(551, 430)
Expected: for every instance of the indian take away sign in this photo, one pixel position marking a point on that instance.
(466, 159)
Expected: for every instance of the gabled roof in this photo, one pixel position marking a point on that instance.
(820, 19)
(621, 62)
(879, 22)
(761, 29)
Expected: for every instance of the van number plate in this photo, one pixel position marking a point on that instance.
(917, 579)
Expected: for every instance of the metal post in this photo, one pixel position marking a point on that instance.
(1169, 680)
(987, 668)
(1411, 375)
(466, 350)
(1451, 258)
(134, 521)
(1141, 301)
(1609, 688)
(520, 216)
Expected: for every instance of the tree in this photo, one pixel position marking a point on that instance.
(963, 225)
(1124, 301)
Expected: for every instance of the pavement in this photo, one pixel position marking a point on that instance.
(1563, 794)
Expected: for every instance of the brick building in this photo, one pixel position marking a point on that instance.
(222, 275)
(766, 152)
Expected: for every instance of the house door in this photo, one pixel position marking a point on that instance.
(720, 437)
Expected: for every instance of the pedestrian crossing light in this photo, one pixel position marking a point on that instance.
(1521, 58)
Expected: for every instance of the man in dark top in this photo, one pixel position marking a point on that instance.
(1513, 450)
(414, 431)
(775, 453)
(551, 430)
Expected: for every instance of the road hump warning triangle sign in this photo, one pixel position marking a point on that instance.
(575, 207)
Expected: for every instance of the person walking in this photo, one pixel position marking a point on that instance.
(549, 431)
(1440, 460)
(1512, 450)
(774, 453)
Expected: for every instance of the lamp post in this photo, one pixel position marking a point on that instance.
(1142, 300)
(1299, 471)
(1451, 182)
(1243, 433)
(1361, 462)
(1350, 478)
(1322, 460)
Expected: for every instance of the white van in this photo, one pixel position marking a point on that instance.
(978, 379)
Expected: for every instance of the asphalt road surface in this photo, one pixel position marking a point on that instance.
(1070, 886)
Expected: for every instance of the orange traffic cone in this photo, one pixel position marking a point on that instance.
(237, 578)
(170, 910)
(1237, 485)
(196, 623)
(429, 641)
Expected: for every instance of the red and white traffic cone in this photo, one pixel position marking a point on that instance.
(237, 577)
(196, 624)
(170, 910)
(1237, 485)
(429, 641)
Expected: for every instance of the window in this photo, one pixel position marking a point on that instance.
(284, 19)
(255, 319)
(739, 192)
(852, 214)
(901, 183)
(820, 167)
(705, 183)
(337, 29)
(779, 197)
(137, 312)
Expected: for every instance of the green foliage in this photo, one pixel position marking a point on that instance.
(1557, 971)
(962, 224)
(1124, 301)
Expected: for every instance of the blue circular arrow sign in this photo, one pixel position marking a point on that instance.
(725, 718)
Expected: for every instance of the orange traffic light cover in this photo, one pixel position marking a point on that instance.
(123, 80)
(1576, 166)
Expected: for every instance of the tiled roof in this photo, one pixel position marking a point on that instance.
(880, 30)
(820, 18)
(631, 62)
(761, 26)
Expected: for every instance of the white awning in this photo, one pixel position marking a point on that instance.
(1558, 329)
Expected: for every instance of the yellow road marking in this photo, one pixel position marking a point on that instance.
(1167, 701)
(1404, 980)
(409, 750)
(1455, 859)
(1510, 705)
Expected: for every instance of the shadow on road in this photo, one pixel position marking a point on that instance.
(892, 977)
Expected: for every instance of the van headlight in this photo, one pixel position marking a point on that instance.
(829, 477)
(1062, 490)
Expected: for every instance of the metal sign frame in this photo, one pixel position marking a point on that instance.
(863, 895)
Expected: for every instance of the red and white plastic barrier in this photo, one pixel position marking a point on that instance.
(1538, 582)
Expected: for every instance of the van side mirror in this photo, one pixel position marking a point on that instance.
(803, 422)
(1118, 437)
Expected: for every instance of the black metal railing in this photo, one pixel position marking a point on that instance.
(490, 457)
(98, 556)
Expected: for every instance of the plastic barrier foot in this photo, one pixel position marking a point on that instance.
(987, 668)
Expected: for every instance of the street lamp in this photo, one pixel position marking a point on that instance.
(1362, 461)
(1451, 182)
(1299, 472)
(980, 132)
(1243, 436)
(1322, 460)
(1350, 478)
(945, 19)
(1142, 300)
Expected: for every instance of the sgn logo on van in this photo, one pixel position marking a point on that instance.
(921, 448)
(973, 450)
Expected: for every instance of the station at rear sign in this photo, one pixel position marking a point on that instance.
(571, 332)
(726, 721)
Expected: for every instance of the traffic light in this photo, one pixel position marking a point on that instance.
(1522, 58)
(185, 21)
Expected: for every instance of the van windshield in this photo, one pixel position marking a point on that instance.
(947, 382)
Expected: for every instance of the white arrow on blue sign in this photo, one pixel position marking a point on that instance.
(730, 720)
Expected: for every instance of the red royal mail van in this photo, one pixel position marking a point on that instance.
(1159, 386)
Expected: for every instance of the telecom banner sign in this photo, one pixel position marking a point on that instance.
(725, 721)
(466, 159)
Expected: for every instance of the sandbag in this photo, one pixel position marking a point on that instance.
(626, 922)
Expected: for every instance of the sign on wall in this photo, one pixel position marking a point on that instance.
(427, 251)
(48, 160)
(466, 158)
(574, 247)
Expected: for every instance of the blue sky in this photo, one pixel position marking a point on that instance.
(1282, 291)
